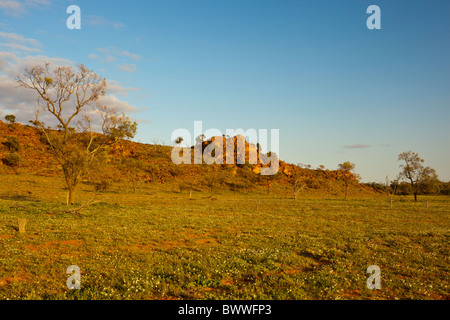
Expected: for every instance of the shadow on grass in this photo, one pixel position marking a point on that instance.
(13, 227)
(19, 197)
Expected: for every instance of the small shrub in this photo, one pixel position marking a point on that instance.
(186, 186)
(102, 186)
(313, 183)
(175, 171)
(12, 143)
(12, 159)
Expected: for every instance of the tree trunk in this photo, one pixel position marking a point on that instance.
(71, 197)
(71, 184)
(414, 188)
(72, 189)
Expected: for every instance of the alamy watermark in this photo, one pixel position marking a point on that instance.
(374, 281)
(74, 281)
(374, 21)
(74, 20)
(233, 149)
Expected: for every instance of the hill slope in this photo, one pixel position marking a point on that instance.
(140, 163)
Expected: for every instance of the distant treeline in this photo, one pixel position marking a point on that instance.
(434, 187)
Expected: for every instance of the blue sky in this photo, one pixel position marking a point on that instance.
(336, 90)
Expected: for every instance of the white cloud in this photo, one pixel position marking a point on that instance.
(19, 101)
(113, 54)
(19, 38)
(17, 43)
(19, 7)
(118, 25)
(12, 7)
(3, 65)
(115, 88)
(105, 50)
(127, 67)
(23, 102)
(133, 56)
(110, 59)
(37, 2)
(96, 20)
(112, 101)
(19, 47)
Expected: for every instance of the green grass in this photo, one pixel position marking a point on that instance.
(159, 244)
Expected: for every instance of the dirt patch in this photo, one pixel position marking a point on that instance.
(227, 282)
(22, 277)
(7, 280)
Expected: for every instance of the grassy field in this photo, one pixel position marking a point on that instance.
(160, 244)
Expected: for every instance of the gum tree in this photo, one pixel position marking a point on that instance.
(10, 118)
(70, 97)
(414, 171)
(347, 175)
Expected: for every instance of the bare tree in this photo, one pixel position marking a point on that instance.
(71, 97)
(296, 180)
(414, 171)
(395, 185)
(268, 181)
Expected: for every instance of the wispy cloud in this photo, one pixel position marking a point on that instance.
(357, 146)
(116, 51)
(12, 7)
(118, 25)
(18, 38)
(117, 89)
(19, 7)
(18, 43)
(18, 47)
(114, 54)
(110, 59)
(36, 3)
(127, 67)
(133, 56)
(96, 20)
